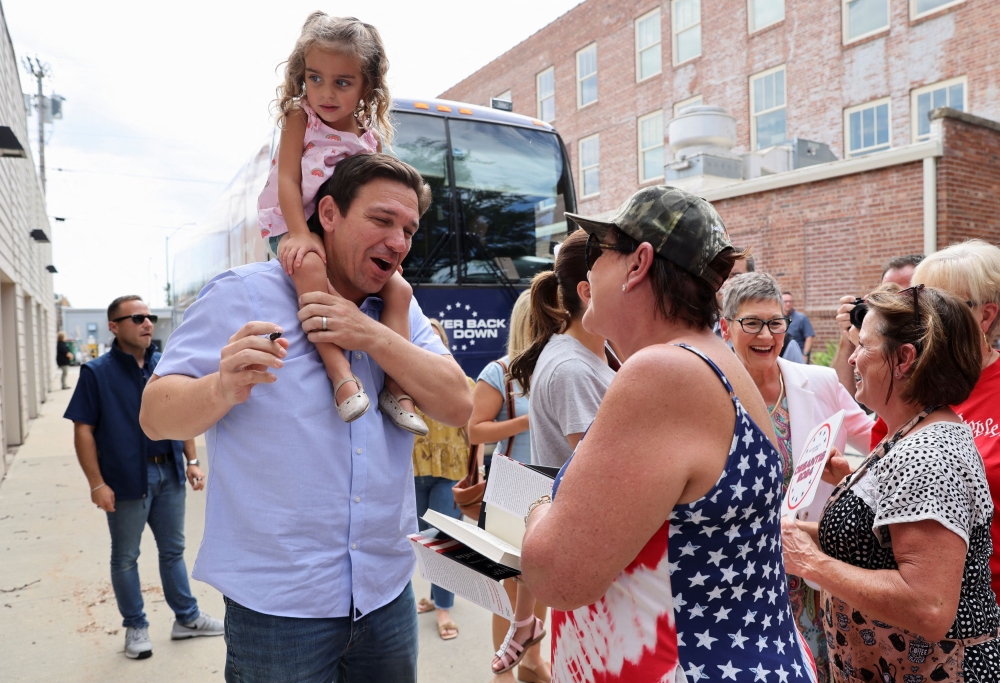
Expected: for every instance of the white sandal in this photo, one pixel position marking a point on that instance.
(355, 405)
(403, 419)
(512, 652)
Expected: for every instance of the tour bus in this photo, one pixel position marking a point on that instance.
(501, 184)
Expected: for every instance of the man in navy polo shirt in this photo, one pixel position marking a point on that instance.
(135, 480)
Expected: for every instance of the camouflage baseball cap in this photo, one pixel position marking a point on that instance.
(683, 228)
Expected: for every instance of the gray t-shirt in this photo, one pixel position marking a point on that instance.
(566, 390)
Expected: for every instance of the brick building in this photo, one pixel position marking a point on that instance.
(27, 304)
(861, 76)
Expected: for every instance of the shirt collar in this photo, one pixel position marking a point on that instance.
(121, 355)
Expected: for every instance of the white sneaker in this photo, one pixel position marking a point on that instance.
(204, 625)
(137, 645)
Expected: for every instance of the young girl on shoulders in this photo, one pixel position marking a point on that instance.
(334, 103)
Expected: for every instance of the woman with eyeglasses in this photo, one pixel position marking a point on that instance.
(798, 397)
(660, 549)
(902, 549)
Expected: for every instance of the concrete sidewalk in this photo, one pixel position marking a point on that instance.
(58, 617)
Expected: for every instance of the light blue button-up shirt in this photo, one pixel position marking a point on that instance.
(305, 512)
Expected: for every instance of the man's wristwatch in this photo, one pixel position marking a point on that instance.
(192, 462)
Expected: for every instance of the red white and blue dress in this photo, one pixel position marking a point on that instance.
(733, 615)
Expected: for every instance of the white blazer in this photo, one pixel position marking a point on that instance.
(814, 394)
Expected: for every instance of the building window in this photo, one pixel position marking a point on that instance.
(505, 96)
(545, 93)
(920, 8)
(866, 128)
(767, 108)
(925, 100)
(647, 46)
(763, 13)
(651, 146)
(689, 102)
(687, 30)
(590, 159)
(864, 17)
(586, 76)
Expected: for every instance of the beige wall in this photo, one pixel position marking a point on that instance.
(27, 297)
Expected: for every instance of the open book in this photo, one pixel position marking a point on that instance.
(483, 542)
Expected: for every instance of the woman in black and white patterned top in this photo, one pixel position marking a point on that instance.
(902, 550)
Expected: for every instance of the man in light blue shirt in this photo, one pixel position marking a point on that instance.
(307, 516)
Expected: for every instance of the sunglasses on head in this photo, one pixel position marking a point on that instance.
(860, 309)
(595, 248)
(138, 318)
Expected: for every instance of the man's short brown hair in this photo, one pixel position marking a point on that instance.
(116, 304)
(355, 172)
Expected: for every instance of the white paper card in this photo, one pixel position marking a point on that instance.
(809, 470)
(461, 580)
(514, 487)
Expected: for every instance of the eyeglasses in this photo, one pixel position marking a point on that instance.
(595, 249)
(756, 325)
(860, 309)
(138, 318)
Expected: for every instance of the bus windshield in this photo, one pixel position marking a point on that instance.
(498, 217)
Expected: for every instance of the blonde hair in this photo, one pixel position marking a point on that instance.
(351, 37)
(439, 328)
(970, 270)
(520, 325)
(61, 336)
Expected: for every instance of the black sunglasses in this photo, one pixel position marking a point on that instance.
(860, 309)
(595, 248)
(138, 318)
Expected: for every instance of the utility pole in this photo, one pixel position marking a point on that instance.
(40, 71)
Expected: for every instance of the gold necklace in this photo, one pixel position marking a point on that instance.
(781, 395)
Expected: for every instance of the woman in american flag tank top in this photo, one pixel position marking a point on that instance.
(651, 573)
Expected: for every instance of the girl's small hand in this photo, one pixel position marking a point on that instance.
(294, 248)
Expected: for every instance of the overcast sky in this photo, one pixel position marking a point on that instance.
(165, 101)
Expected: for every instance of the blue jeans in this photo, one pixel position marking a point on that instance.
(380, 646)
(163, 509)
(435, 493)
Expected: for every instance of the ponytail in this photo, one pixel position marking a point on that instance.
(547, 318)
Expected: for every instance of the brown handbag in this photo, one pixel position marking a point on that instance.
(469, 491)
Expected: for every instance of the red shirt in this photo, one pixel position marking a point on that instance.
(981, 411)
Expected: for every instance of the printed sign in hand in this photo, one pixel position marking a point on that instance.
(808, 471)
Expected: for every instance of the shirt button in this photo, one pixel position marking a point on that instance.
(359, 451)
(357, 499)
(357, 355)
(354, 546)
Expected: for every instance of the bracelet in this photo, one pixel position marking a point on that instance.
(192, 462)
(97, 487)
(544, 500)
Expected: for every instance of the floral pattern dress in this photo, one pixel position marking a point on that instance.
(934, 473)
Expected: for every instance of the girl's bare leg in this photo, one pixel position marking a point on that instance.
(396, 296)
(311, 277)
(523, 608)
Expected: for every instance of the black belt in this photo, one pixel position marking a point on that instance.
(159, 459)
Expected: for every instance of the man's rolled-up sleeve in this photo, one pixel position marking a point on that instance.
(421, 332)
(222, 308)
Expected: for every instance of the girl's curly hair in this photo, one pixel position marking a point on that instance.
(349, 36)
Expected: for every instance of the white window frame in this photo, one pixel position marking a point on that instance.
(658, 45)
(581, 79)
(754, 115)
(505, 96)
(751, 29)
(538, 94)
(674, 32)
(845, 23)
(916, 92)
(579, 148)
(847, 126)
(941, 8)
(694, 99)
(643, 150)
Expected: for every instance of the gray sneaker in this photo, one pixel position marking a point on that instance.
(137, 645)
(204, 625)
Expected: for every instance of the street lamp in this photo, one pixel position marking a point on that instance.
(166, 250)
